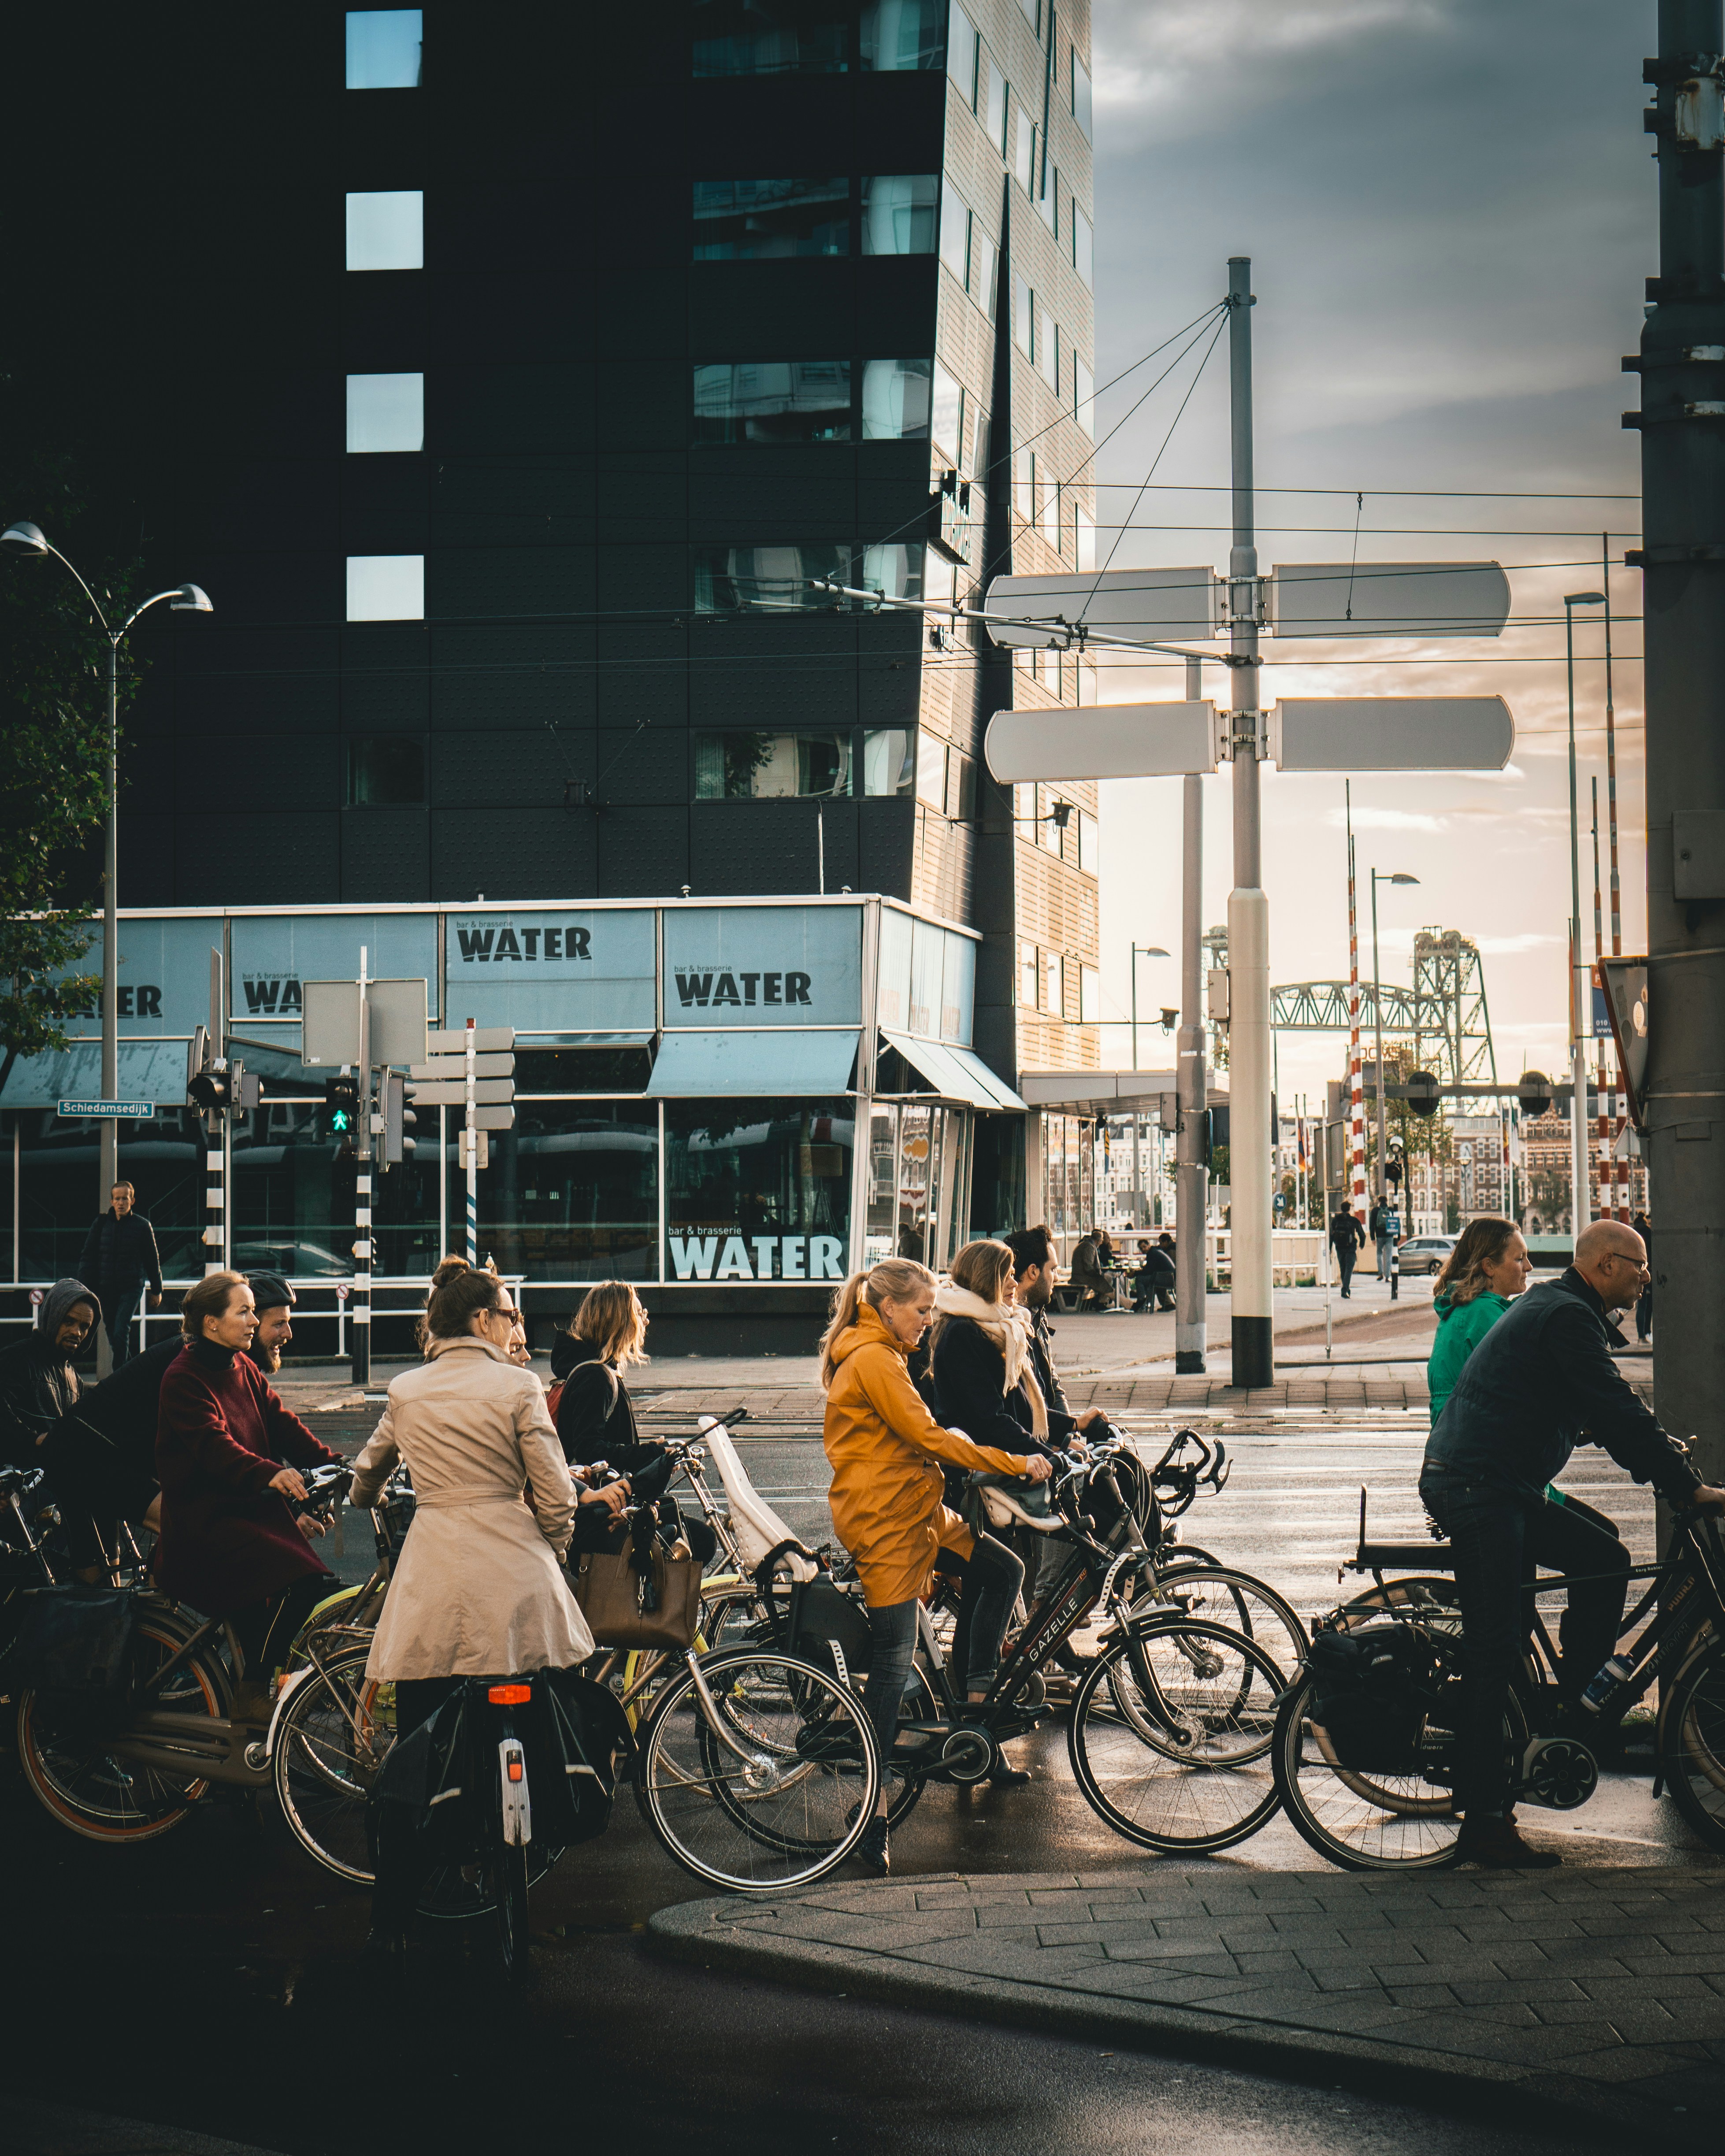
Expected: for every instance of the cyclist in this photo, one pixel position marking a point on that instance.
(38, 1381)
(228, 1453)
(1487, 1268)
(1033, 1285)
(1539, 1383)
(479, 1589)
(887, 1449)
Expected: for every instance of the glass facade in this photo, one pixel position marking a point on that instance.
(572, 1192)
(899, 213)
(770, 579)
(786, 400)
(386, 771)
(386, 231)
(754, 766)
(896, 399)
(386, 587)
(385, 414)
(383, 48)
(771, 220)
(772, 37)
(757, 1189)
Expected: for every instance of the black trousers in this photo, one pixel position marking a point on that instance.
(1498, 1541)
(1345, 1255)
(267, 1629)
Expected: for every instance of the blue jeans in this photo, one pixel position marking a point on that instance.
(991, 1577)
(1497, 1541)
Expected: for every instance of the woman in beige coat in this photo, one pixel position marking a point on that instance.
(479, 1589)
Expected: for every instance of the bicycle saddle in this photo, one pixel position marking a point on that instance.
(1016, 1503)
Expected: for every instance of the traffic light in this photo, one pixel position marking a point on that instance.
(1422, 1094)
(398, 1120)
(341, 1098)
(1533, 1091)
(210, 1090)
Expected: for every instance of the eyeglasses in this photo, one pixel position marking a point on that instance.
(512, 1314)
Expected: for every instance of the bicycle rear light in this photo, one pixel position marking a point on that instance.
(508, 1694)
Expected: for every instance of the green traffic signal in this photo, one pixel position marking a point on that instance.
(338, 1121)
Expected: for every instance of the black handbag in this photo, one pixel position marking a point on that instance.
(75, 1641)
(822, 1615)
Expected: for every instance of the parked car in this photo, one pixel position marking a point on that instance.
(1425, 1254)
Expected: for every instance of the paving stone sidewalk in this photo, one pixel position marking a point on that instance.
(1598, 1993)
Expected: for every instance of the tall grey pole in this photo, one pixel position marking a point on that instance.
(1191, 1172)
(1248, 1081)
(1378, 1026)
(1683, 560)
(1580, 1193)
(111, 937)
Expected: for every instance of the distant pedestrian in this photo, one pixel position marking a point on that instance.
(1377, 1226)
(1346, 1237)
(1154, 1280)
(1644, 1307)
(120, 1261)
(1087, 1276)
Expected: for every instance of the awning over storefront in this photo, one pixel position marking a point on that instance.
(815, 1064)
(1105, 1092)
(954, 1073)
(153, 1070)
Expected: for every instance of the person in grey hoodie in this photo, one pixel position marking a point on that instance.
(38, 1382)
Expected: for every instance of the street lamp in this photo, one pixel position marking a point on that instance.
(1580, 1210)
(1396, 876)
(184, 598)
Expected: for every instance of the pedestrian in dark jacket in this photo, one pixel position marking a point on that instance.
(1346, 1237)
(228, 1453)
(1540, 1382)
(120, 1261)
(1154, 1280)
(596, 1418)
(1033, 1285)
(1088, 1277)
(37, 1382)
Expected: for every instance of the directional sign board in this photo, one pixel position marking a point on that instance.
(1105, 741)
(137, 1111)
(487, 1039)
(330, 1022)
(1152, 604)
(446, 1092)
(1391, 734)
(1390, 598)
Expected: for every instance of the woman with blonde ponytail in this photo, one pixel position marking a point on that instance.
(886, 1451)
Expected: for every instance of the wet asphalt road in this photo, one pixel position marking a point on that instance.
(213, 1980)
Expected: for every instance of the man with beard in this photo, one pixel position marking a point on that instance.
(275, 1300)
(37, 1382)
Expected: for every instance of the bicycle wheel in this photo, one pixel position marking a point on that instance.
(1209, 1694)
(768, 1781)
(1694, 1746)
(96, 1791)
(334, 1733)
(509, 1885)
(1219, 1595)
(1363, 1821)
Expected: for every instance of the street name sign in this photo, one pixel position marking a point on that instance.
(1104, 741)
(1155, 604)
(138, 1111)
(1389, 598)
(1391, 734)
(330, 1022)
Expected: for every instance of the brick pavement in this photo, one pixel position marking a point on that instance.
(1598, 1994)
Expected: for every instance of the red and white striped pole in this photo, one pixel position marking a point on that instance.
(1617, 1205)
(1356, 1099)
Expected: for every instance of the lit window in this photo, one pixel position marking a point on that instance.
(946, 416)
(1052, 1000)
(386, 587)
(1024, 483)
(386, 231)
(793, 400)
(1090, 852)
(1030, 972)
(889, 761)
(962, 48)
(386, 412)
(1048, 832)
(1048, 351)
(984, 270)
(386, 771)
(1023, 313)
(765, 220)
(383, 48)
(769, 579)
(758, 767)
(899, 213)
(932, 772)
(898, 34)
(893, 569)
(998, 102)
(1089, 995)
(1024, 149)
(781, 37)
(940, 577)
(895, 399)
(1029, 10)
(1085, 543)
(1081, 111)
(1081, 245)
(955, 233)
(961, 788)
(1084, 397)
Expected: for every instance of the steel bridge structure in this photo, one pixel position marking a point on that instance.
(1445, 1013)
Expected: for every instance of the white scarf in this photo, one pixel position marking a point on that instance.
(1008, 1325)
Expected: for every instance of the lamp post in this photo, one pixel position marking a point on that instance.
(1580, 1209)
(1378, 877)
(184, 598)
(1140, 951)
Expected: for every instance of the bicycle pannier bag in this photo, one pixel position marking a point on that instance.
(74, 1640)
(1371, 1691)
(821, 1613)
(660, 1607)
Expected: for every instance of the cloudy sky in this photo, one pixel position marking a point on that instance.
(1450, 206)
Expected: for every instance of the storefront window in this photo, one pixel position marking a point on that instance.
(757, 1190)
(59, 1159)
(572, 1192)
(918, 1198)
(295, 1194)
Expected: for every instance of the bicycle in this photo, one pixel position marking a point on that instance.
(1384, 1803)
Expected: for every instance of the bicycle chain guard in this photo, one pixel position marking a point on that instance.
(1558, 1772)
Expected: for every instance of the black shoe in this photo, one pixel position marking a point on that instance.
(1494, 1845)
(385, 1945)
(872, 1851)
(1009, 1778)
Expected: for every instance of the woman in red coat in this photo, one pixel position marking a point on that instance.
(227, 1452)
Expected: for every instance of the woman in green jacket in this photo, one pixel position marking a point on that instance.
(1487, 1267)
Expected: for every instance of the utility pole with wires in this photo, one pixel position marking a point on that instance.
(1619, 1169)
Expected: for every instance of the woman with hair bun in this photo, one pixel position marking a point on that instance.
(887, 1497)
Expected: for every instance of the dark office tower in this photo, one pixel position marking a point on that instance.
(534, 389)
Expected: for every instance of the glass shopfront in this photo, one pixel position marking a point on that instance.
(757, 1189)
(572, 1192)
(919, 1156)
